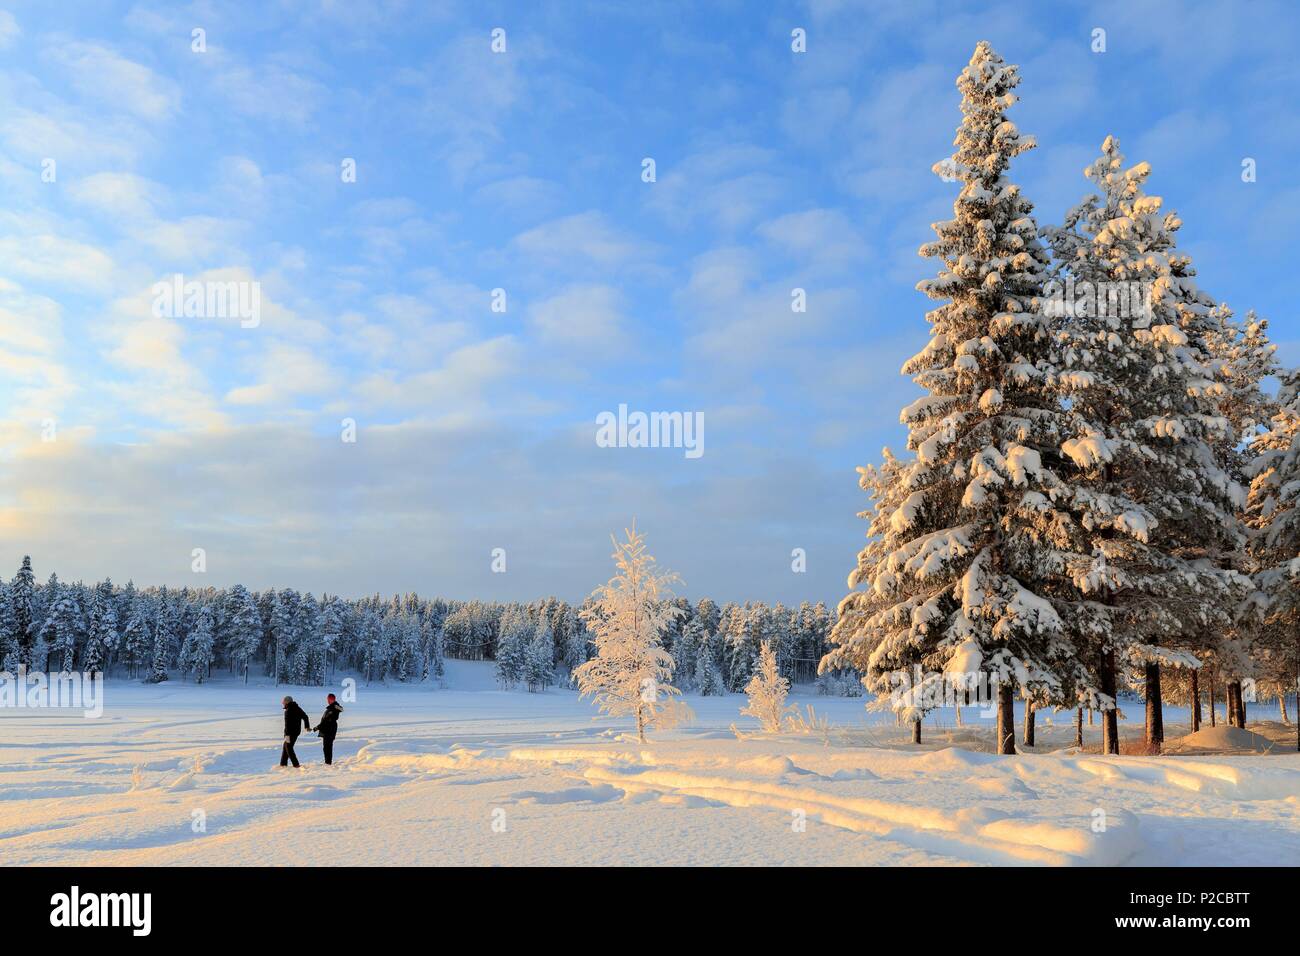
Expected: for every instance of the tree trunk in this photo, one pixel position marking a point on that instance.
(1196, 700)
(1078, 728)
(1089, 716)
(1109, 718)
(1212, 692)
(1281, 703)
(640, 724)
(957, 703)
(916, 731)
(1234, 703)
(1155, 714)
(1029, 723)
(1006, 728)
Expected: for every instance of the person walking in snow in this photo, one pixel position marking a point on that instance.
(294, 720)
(328, 726)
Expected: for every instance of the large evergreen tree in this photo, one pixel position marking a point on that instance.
(1155, 505)
(959, 567)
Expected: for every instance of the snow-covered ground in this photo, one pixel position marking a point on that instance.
(473, 775)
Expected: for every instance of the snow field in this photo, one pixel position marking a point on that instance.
(471, 775)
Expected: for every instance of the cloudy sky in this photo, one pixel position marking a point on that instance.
(522, 171)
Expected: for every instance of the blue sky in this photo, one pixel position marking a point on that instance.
(522, 171)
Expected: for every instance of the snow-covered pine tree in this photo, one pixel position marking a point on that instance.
(285, 631)
(707, 679)
(308, 658)
(435, 665)
(1155, 508)
(243, 628)
(538, 669)
(163, 624)
(196, 652)
(370, 643)
(137, 639)
(781, 635)
(512, 645)
(767, 691)
(1274, 514)
(969, 539)
(686, 652)
(631, 672)
(101, 637)
(22, 594)
(63, 622)
(739, 654)
(8, 632)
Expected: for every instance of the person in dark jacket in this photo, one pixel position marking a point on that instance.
(328, 726)
(294, 720)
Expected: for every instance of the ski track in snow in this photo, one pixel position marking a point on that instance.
(473, 775)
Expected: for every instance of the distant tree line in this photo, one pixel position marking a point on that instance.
(157, 634)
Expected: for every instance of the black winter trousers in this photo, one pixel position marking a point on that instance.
(327, 745)
(287, 753)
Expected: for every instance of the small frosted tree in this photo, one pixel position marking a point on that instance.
(767, 690)
(630, 674)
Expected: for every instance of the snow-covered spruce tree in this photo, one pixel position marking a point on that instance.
(964, 534)
(101, 637)
(1243, 357)
(162, 627)
(8, 632)
(285, 632)
(631, 672)
(196, 652)
(707, 679)
(1155, 507)
(63, 622)
(1274, 514)
(686, 653)
(435, 665)
(308, 658)
(137, 639)
(243, 628)
(744, 638)
(512, 646)
(767, 691)
(22, 595)
(538, 669)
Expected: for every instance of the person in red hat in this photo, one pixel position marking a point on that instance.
(328, 726)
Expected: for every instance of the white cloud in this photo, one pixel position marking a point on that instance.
(585, 316)
(588, 237)
(9, 29)
(823, 236)
(103, 75)
(57, 261)
(122, 195)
